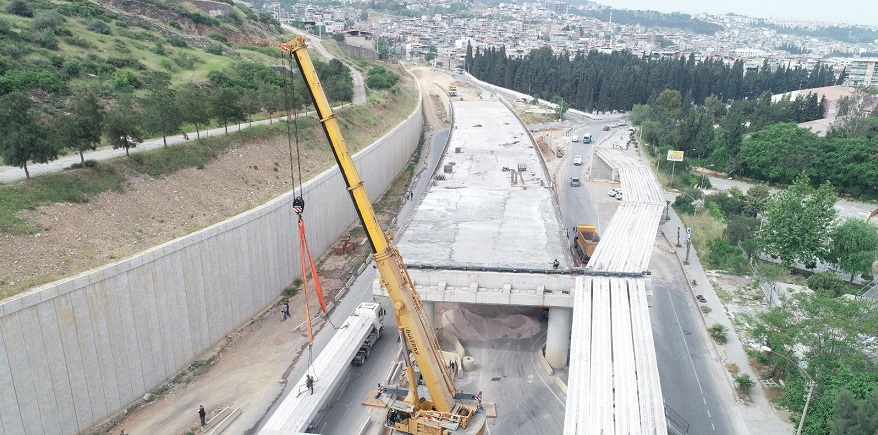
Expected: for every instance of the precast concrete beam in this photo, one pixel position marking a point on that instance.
(558, 336)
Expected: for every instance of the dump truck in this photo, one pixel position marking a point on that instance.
(585, 240)
(374, 335)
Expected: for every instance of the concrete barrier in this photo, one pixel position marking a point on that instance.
(74, 352)
(543, 363)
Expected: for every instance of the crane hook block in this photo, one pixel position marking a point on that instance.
(298, 205)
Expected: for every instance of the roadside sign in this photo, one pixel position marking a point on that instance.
(675, 156)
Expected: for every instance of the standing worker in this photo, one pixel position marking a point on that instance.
(555, 264)
(202, 414)
(309, 382)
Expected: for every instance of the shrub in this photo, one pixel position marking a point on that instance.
(124, 80)
(741, 228)
(683, 204)
(169, 65)
(176, 42)
(724, 255)
(729, 204)
(214, 49)
(186, 60)
(381, 78)
(47, 40)
(121, 62)
(827, 283)
(715, 210)
(744, 382)
(20, 8)
(218, 37)
(100, 27)
(48, 20)
(718, 332)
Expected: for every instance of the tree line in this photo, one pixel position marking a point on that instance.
(102, 113)
(617, 81)
(759, 139)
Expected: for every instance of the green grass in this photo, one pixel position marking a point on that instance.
(76, 187)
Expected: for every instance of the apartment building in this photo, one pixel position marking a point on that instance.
(862, 72)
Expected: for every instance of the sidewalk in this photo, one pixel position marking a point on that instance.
(758, 417)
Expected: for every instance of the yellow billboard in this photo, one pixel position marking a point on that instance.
(675, 156)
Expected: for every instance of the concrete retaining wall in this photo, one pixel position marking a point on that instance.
(74, 352)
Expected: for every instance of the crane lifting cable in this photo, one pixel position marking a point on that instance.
(299, 209)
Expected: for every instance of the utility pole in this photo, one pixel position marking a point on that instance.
(805, 410)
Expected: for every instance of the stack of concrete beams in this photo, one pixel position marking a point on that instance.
(626, 245)
(614, 385)
(300, 407)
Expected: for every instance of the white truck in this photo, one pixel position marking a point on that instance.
(374, 335)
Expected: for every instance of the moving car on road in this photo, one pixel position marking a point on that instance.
(577, 160)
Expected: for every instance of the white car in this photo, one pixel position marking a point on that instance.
(613, 192)
(577, 160)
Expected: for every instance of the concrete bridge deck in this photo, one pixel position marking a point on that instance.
(486, 213)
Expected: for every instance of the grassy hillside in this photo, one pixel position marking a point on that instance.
(69, 43)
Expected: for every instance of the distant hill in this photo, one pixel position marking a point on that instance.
(653, 19)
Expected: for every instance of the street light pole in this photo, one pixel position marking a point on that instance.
(701, 184)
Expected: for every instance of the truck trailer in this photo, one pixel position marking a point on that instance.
(585, 240)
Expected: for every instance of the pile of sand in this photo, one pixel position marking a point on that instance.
(469, 326)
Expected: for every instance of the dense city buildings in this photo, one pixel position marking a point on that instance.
(442, 38)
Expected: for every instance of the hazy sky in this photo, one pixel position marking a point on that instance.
(843, 11)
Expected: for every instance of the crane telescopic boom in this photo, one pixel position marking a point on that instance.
(439, 413)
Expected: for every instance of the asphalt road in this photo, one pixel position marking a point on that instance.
(691, 385)
(508, 374)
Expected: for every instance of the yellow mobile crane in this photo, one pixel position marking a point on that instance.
(444, 412)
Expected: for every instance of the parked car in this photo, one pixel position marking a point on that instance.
(574, 181)
(577, 160)
(701, 299)
(606, 128)
(613, 192)
(619, 194)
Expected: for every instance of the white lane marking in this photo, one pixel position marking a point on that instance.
(540, 375)
(683, 336)
(711, 425)
(704, 400)
(708, 412)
